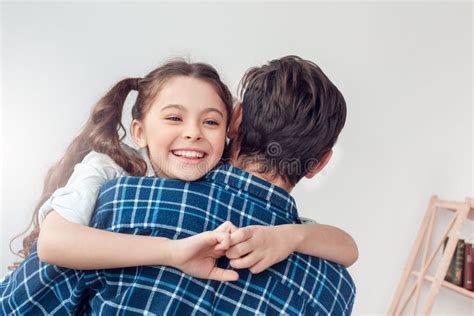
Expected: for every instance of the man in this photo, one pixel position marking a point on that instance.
(284, 129)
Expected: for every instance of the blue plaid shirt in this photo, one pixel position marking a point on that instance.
(175, 209)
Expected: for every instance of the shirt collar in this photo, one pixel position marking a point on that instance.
(276, 198)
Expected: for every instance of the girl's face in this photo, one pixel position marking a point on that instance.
(184, 129)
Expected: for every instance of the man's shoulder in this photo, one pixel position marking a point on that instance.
(127, 186)
(151, 182)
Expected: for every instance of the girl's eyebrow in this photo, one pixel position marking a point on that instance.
(182, 108)
(213, 110)
(177, 106)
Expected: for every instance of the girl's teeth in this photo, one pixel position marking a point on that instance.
(189, 154)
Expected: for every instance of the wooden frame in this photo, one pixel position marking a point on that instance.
(462, 211)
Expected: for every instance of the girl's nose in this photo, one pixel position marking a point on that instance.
(192, 137)
(192, 133)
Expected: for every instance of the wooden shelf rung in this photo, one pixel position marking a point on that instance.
(454, 206)
(450, 205)
(448, 285)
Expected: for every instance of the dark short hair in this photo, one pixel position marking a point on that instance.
(292, 115)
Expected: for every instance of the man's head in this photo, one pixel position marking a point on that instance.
(289, 119)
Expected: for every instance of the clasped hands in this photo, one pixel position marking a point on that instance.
(252, 247)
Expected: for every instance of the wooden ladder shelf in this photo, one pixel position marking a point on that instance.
(462, 211)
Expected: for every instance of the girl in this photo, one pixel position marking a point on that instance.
(178, 104)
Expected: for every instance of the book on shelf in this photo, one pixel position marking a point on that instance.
(458, 263)
(456, 266)
(461, 267)
(468, 266)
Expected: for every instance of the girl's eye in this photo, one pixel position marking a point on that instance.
(173, 118)
(211, 122)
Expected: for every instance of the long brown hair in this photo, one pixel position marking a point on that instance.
(102, 130)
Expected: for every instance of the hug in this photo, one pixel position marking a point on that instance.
(184, 222)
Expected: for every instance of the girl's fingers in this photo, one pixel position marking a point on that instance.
(223, 241)
(217, 254)
(220, 274)
(241, 235)
(245, 262)
(258, 267)
(239, 250)
(227, 226)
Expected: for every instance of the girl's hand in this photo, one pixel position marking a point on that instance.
(259, 247)
(197, 255)
(226, 227)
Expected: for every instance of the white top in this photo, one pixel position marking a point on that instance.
(76, 200)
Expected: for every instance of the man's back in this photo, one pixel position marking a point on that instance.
(175, 209)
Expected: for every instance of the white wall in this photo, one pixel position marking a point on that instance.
(404, 69)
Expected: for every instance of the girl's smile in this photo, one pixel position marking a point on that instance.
(189, 155)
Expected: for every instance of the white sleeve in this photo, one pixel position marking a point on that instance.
(76, 200)
(307, 220)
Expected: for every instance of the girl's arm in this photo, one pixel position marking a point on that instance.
(81, 247)
(259, 247)
(76, 246)
(325, 241)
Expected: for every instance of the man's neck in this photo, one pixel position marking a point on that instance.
(252, 169)
(276, 180)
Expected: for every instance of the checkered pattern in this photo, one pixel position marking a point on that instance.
(175, 209)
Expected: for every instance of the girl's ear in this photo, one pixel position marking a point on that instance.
(138, 133)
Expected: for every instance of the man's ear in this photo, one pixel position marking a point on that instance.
(138, 133)
(235, 121)
(322, 163)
